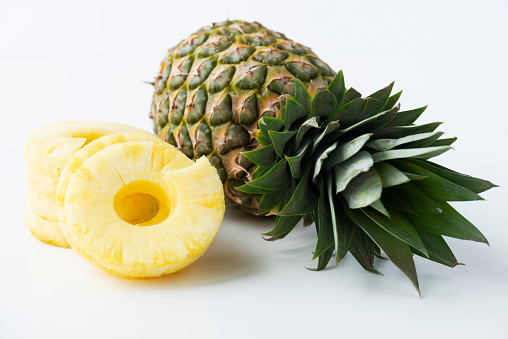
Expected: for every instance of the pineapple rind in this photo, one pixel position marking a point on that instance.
(99, 235)
(214, 86)
(45, 230)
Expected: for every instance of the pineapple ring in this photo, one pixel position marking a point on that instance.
(47, 149)
(86, 152)
(41, 205)
(45, 230)
(142, 209)
(80, 156)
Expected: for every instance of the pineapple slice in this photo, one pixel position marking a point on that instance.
(141, 209)
(41, 205)
(45, 230)
(47, 149)
(86, 152)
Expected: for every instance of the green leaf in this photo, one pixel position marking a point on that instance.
(390, 176)
(402, 131)
(398, 226)
(394, 200)
(363, 189)
(392, 101)
(437, 249)
(370, 124)
(342, 225)
(307, 125)
(264, 156)
(378, 206)
(382, 96)
(362, 248)
(302, 95)
(323, 260)
(279, 141)
(380, 121)
(344, 228)
(376, 106)
(424, 142)
(437, 187)
(346, 171)
(304, 199)
(270, 201)
(261, 139)
(347, 114)
(350, 95)
(320, 158)
(407, 118)
(267, 124)
(474, 184)
(277, 178)
(324, 226)
(388, 144)
(294, 112)
(417, 199)
(295, 162)
(398, 252)
(444, 142)
(426, 152)
(449, 223)
(283, 226)
(337, 87)
(323, 103)
(251, 190)
(377, 252)
(345, 151)
(413, 176)
(331, 127)
(260, 170)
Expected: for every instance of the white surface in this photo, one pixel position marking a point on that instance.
(87, 60)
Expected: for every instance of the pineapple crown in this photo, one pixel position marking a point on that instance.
(358, 168)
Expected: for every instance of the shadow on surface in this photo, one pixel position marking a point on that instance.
(240, 218)
(226, 259)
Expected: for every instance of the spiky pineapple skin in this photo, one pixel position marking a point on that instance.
(213, 87)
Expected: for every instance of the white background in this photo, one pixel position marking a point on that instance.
(88, 60)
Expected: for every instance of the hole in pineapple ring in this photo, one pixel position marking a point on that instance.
(142, 203)
(90, 134)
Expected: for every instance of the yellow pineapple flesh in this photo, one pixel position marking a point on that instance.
(41, 205)
(140, 209)
(46, 151)
(45, 230)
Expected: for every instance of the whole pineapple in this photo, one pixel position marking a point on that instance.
(290, 139)
(214, 86)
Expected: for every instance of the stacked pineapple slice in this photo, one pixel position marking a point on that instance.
(47, 150)
(126, 202)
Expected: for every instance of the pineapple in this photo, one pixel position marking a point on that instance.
(86, 152)
(45, 230)
(46, 152)
(41, 205)
(139, 209)
(213, 87)
(288, 138)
